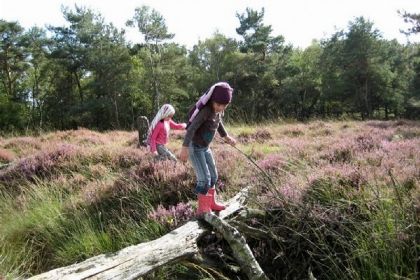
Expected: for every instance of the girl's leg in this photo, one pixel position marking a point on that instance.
(213, 175)
(198, 161)
(212, 167)
(165, 153)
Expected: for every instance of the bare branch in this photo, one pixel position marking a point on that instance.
(240, 248)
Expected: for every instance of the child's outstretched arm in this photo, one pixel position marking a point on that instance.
(183, 156)
(230, 140)
(226, 137)
(178, 126)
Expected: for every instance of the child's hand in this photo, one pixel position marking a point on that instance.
(230, 140)
(155, 153)
(183, 156)
(185, 125)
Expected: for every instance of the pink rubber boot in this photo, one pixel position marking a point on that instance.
(204, 204)
(214, 205)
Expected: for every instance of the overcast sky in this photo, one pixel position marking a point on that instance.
(299, 21)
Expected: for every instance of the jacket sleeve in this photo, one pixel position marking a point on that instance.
(221, 129)
(196, 123)
(154, 136)
(175, 125)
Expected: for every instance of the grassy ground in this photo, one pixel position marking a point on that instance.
(342, 198)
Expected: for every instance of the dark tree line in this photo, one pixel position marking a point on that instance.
(85, 74)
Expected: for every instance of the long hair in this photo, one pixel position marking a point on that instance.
(165, 111)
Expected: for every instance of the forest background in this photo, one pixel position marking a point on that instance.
(87, 75)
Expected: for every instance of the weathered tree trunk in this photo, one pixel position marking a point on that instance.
(79, 86)
(117, 115)
(240, 248)
(138, 260)
(142, 127)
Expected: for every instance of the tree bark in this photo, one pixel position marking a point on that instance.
(142, 128)
(138, 260)
(117, 116)
(79, 86)
(240, 248)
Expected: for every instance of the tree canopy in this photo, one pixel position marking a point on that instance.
(86, 74)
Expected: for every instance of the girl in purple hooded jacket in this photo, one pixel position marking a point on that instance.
(205, 120)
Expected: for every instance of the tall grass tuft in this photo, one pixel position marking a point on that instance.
(47, 227)
(338, 231)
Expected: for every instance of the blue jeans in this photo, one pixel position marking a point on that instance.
(164, 153)
(205, 169)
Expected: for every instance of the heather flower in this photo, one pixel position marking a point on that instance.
(244, 137)
(408, 133)
(173, 216)
(228, 162)
(342, 154)
(93, 191)
(21, 142)
(290, 191)
(23, 146)
(271, 199)
(316, 125)
(260, 136)
(88, 140)
(345, 126)
(325, 132)
(365, 143)
(128, 157)
(76, 180)
(404, 123)
(331, 216)
(98, 170)
(340, 151)
(341, 174)
(379, 124)
(220, 185)
(402, 236)
(118, 136)
(294, 132)
(40, 164)
(6, 156)
(168, 176)
(132, 141)
(274, 162)
(297, 147)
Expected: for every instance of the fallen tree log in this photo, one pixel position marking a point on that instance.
(138, 260)
(240, 248)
